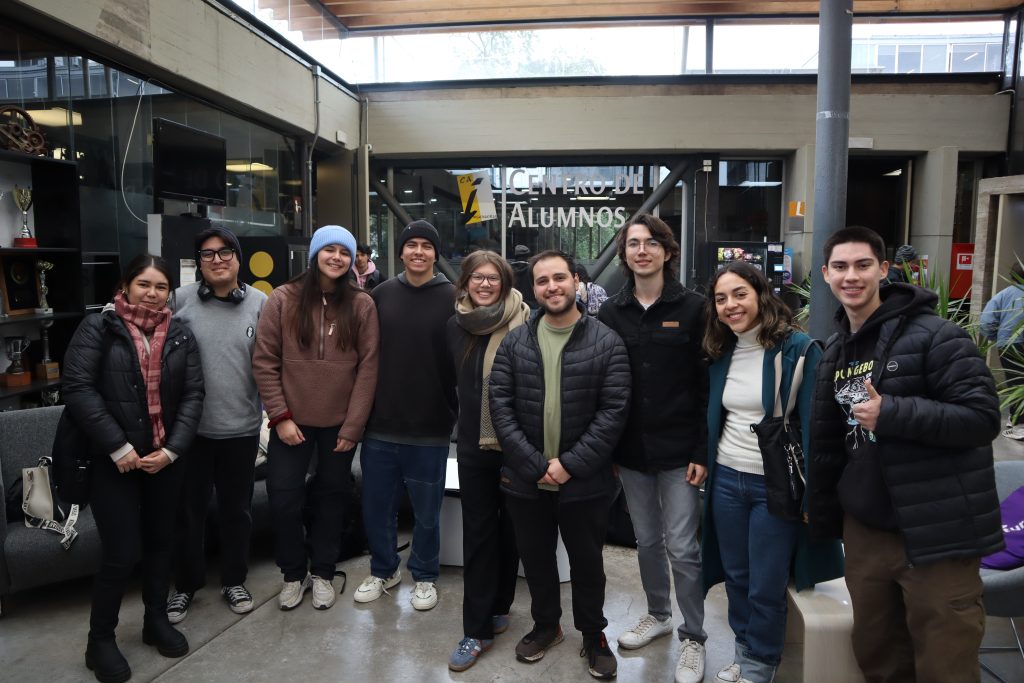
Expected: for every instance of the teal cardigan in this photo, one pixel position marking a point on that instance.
(815, 561)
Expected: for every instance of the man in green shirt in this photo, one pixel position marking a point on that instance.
(560, 390)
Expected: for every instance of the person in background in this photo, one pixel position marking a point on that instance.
(365, 271)
(748, 330)
(487, 308)
(1002, 321)
(905, 411)
(133, 382)
(316, 368)
(905, 260)
(559, 400)
(590, 294)
(223, 313)
(663, 451)
(410, 428)
(521, 267)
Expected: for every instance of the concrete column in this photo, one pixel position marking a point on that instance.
(932, 206)
(832, 138)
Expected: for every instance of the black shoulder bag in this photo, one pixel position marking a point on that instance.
(72, 461)
(781, 445)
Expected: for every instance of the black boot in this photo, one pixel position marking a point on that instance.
(106, 661)
(169, 641)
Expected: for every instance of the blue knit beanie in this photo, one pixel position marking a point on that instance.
(331, 234)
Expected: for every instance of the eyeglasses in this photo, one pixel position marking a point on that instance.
(650, 244)
(478, 278)
(226, 254)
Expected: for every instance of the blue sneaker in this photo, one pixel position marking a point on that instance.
(465, 655)
(500, 623)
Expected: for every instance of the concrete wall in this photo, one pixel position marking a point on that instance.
(196, 49)
(728, 119)
(798, 186)
(932, 205)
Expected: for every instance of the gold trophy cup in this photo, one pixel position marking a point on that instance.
(23, 198)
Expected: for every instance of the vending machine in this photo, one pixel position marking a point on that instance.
(766, 256)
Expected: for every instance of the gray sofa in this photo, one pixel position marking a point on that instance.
(33, 557)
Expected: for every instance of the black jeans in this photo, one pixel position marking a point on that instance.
(135, 514)
(229, 466)
(330, 488)
(490, 556)
(583, 525)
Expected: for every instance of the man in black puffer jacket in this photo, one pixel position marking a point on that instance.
(560, 390)
(904, 415)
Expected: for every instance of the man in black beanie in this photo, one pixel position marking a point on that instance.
(409, 431)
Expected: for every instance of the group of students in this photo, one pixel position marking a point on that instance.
(552, 408)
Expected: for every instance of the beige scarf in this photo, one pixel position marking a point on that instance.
(495, 320)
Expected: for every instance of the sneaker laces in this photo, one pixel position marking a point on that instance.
(236, 594)
(179, 602)
(644, 625)
(373, 583)
(690, 655)
(422, 588)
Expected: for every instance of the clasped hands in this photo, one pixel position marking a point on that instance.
(150, 464)
(555, 475)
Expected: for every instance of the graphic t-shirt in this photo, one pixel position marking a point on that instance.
(862, 489)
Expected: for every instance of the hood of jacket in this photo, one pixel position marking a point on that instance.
(898, 299)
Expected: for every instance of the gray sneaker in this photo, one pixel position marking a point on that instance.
(177, 606)
(292, 592)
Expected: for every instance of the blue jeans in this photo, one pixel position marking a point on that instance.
(386, 467)
(757, 552)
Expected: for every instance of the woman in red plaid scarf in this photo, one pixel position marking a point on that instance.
(133, 382)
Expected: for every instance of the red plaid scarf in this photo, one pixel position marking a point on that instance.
(142, 320)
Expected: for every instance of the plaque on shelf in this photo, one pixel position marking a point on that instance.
(19, 285)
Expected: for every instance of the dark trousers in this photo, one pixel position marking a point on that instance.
(227, 465)
(286, 488)
(584, 525)
(490, 556)
(135, 515)
(911, 623)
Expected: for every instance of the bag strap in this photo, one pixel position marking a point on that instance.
(67, 530)
(795, 380)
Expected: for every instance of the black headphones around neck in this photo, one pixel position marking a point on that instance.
(235, 296)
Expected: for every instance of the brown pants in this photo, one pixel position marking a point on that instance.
(911, 623)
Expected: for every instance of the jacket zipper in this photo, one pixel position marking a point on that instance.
(323, 316)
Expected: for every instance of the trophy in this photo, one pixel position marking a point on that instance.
(44, 308)
(16, 375)
(23, 198)
(46, 368)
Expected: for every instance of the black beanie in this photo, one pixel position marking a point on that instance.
(420, 229)
(223, 233)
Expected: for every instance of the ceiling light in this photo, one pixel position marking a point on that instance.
(248, 167)
(54, 118)
(760, 183)
(897, 172)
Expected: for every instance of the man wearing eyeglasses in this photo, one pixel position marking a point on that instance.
(222, 313)
(662, 455)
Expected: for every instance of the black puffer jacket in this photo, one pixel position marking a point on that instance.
(938, 418)
(595, 403)
(667, 427)
(105, 393)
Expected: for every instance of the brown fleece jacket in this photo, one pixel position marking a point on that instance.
(335, 389)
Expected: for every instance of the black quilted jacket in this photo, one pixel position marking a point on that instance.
(595, 403)
(939, 416)
(105, 393)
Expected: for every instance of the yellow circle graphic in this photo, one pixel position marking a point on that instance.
(263, 286)
(261, 264)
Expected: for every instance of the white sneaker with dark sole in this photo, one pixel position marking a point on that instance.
(323, 593)
(373, 587)
(292, 592)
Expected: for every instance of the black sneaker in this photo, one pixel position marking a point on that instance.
(599, 656)
(238, 597)
(538, 641)
(177, 606)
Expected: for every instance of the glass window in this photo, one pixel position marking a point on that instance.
(909, 59)
(934, 59)
(765, 47)
(886, 62)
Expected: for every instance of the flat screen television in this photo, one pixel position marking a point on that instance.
(188, 164)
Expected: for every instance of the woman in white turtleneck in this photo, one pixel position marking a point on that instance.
(744, 544)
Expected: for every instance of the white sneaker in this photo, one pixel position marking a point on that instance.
(730, 674)
(1015, 433)
(373, 587)
(323, 593)
(647, 629)
(690, 668)
(424, 596)
(292, 592)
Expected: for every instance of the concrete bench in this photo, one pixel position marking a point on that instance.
(821, 618)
